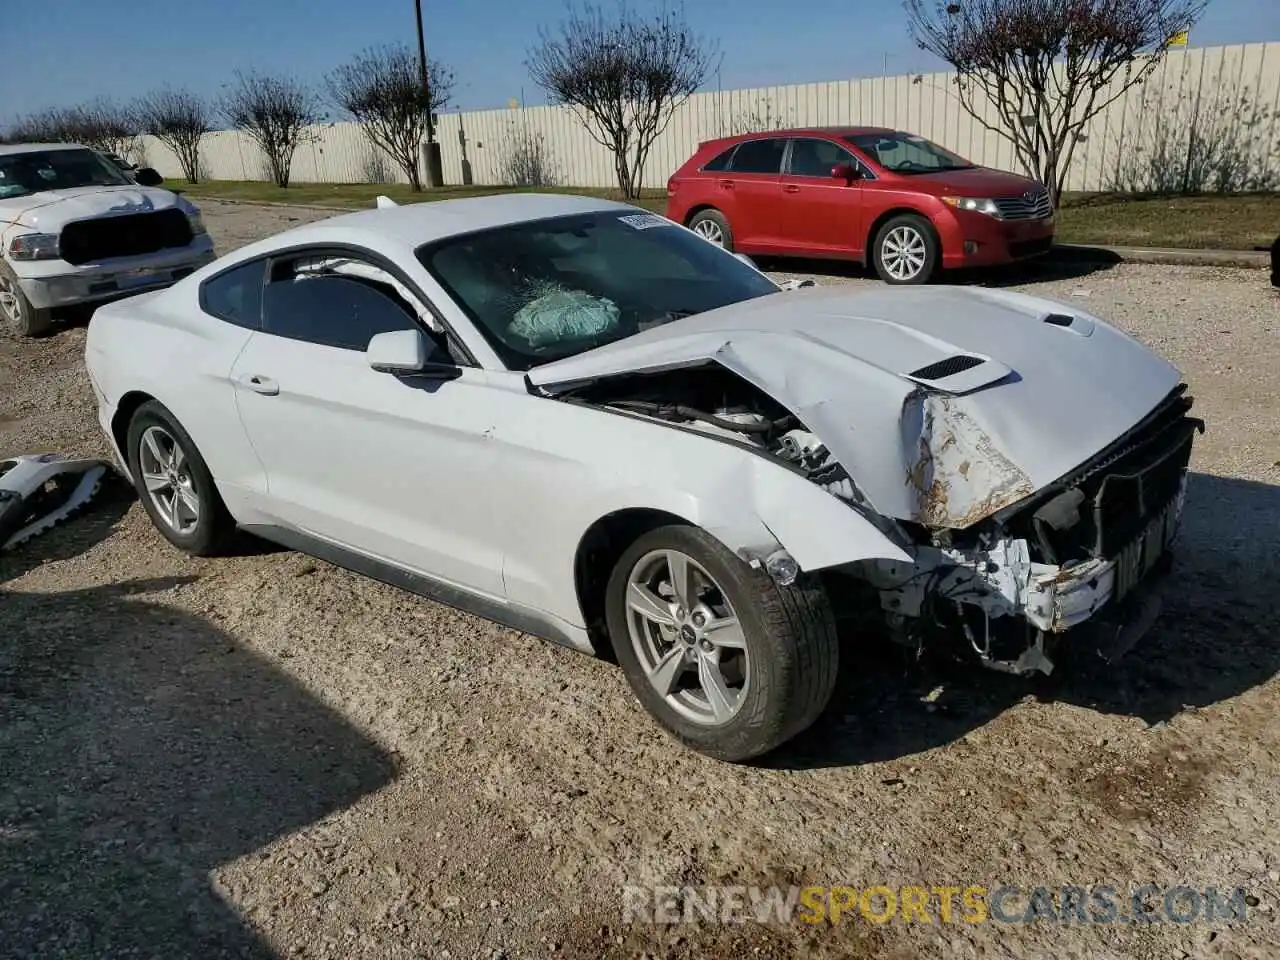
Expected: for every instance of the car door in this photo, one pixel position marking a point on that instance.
(748, 193)
(393, 467)
(821, 214)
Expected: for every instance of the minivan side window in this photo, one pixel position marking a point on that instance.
(815, 158)
(759, 156)
(330, 309)
(236, 296)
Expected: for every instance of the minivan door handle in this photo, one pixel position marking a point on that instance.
(258, 384)
(790, 188)
(726, 184)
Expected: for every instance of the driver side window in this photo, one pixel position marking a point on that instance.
(324, 299)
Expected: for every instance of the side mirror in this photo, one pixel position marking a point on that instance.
(846, 172)
(147, 177)
(407, 353)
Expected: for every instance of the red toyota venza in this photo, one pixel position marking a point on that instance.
(891, 200)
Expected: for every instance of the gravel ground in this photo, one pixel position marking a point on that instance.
(268, 756)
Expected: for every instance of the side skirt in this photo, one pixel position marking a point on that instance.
(514, 618)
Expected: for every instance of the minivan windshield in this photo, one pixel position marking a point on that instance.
(543, 290)
(22, 174)
(907, 153)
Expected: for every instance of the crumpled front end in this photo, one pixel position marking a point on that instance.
(1084, 550)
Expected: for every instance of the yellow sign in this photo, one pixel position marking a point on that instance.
(1180, 38)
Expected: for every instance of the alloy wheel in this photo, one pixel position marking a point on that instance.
(168, 480)
(690, 643)
(10, 307)
(904, 252)
(708, 229)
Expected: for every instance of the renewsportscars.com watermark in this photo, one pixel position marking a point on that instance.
(1066, 904)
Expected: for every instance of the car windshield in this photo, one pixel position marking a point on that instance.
(22, 174)
(548, 289)
(907, 153)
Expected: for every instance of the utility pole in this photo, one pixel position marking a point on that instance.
(431, 150)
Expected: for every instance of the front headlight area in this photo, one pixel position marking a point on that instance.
(34, 246)
(974, 205)
(197, 223)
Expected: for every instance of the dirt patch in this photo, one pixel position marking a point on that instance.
(263, 755)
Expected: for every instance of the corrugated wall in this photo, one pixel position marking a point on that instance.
(1212, 79)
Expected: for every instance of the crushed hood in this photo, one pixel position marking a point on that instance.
(944, 404)
(50, 210)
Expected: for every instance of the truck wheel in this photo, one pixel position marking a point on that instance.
(726, 660)
(17, 315)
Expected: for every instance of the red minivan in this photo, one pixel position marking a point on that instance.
(885, 198)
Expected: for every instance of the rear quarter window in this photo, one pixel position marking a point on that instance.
(236, 296)
(721, 160)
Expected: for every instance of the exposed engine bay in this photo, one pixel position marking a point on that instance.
(1017, 573)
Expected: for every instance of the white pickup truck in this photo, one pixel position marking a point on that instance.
(75, 229)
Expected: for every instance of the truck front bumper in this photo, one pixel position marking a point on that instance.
(51, 284)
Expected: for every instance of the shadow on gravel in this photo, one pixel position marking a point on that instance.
(140, 748)
(1215, 639)
(1074, 264)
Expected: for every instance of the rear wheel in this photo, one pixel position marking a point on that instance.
(17, 316)
(174, 484)
(906, 250)
(712, 226)
(729, 662)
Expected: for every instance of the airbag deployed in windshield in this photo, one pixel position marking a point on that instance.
(560, 315)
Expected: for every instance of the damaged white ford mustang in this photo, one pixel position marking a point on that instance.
(583, 421)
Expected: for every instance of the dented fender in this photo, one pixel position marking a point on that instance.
(816, 529)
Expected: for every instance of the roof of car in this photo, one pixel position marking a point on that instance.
(800, 131)
(414, 224)
(7, 149)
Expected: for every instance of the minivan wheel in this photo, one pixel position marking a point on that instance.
(174, 484)
(726, 660)
(712, 226)
(906, 250)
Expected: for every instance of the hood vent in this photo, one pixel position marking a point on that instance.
(947, 367)
(1060, 319)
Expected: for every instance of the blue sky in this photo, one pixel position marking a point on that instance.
(123, 49)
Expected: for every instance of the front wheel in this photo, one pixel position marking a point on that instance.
(726, 660)
(906, 250)
(17, 315)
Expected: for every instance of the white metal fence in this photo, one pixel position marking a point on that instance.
(1234, 91)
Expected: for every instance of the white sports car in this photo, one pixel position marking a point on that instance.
(583, 421)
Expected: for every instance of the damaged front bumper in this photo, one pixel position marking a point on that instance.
(1001, 590)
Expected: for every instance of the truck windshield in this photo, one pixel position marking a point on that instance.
(22, 174)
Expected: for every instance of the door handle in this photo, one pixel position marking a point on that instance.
(790, 188)
(726, 184)
(258, 384)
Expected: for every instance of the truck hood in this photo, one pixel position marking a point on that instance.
(944, 405)
(50, 210)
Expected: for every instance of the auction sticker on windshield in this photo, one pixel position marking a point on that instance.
(643, 221)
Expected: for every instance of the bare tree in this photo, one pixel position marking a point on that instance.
(623, 76)
(1048, 67)
(179, 119)
(381, 89)
(107, 126)
(526, 159)
(275, 113)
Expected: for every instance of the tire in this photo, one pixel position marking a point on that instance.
(209, 529)
(17, 316)
(787, 639)
(710, 224)
(896, 243)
